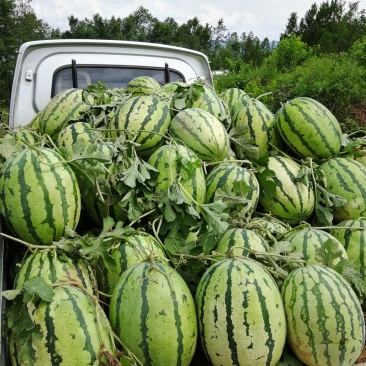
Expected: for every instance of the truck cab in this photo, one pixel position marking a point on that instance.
(44, 68)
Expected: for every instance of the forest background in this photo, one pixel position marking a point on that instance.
(321, 56)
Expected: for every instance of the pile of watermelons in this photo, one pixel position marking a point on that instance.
(171, 225)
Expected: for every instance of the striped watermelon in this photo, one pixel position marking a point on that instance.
(39, 195)
(352, 235)
(73, 133)
(208, 101)
(26, 137)
(202, 132)
(153, 312)
(260, 122)
(236, 181)
(232, 96)
(171, 161)
(346, 178)
(142, 85)
(144, 119)
(242, 242)
(135, 247)
(309, 129)
(292, 201)
(309, 240)
(55, 266)
(71, 329)
(324, 318)
(269, 227)
(240, 314)
(62, 109)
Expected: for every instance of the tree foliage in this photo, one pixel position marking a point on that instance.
(330, 25)
(328, 28)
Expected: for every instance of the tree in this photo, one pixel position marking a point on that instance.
(329, 25)
(138, 25)
(18, 24)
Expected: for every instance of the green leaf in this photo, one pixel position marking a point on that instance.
(215, 216)
(38, 286)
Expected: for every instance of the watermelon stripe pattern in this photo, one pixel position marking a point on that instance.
(293, 201)
(240, 314)
(147, 118)
(167, 160)
(260, 122)
(244, 240)
(70, 330)
(309, 128)
(346, 178)
(146, 300)
(55, 266)
(309, 240)
(39, 196)
(203, 133)
(324, 317)
(227, 176)
(136, 247)
(60, 110)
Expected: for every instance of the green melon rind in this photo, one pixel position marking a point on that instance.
(73, 330)
(346, 178)
(240, 314)
(202, 132)
(153, 312)
(309, 129)
(293, 201)
(260, 124)
(168, 160)
(40, 196)
(61, 110)
(324, 317)
(147, 118)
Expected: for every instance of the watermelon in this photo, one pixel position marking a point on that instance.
(142, 85)
(352, 235)
(71, 134)
(26, 138)
(55, 266)
(232, 96)
(237, 182)
(64, 108)
(240, 314)
(309, 241)
(325, 321)
(201, 96)
(258, 123)
(202, 132)
(71, 329)
(239, 242)
(178, 164)
(144, 119)
(268, 227)
(346, 177)
(135, 247)
(292, 200)
(39, 195)
(309, 129)
(152, 311)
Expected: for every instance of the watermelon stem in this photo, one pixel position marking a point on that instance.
(30, 246)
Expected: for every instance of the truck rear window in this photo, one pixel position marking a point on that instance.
(112, 77)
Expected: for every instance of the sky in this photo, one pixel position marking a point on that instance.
(264, 18)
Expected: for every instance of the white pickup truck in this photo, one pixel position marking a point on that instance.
(45, 68)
